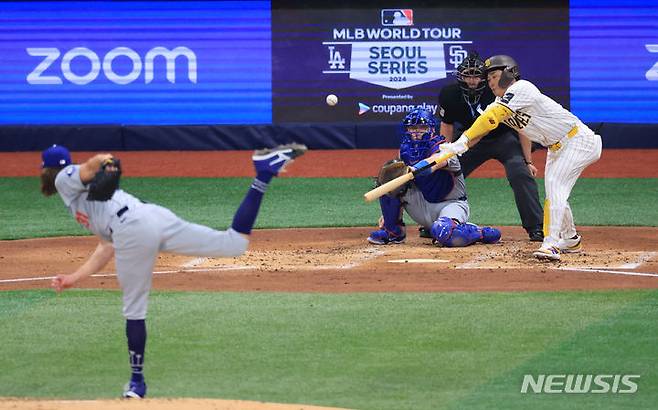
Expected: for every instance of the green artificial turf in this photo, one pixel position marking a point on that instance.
(317, 202)
(366, 351)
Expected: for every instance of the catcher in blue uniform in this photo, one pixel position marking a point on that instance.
(435, 200)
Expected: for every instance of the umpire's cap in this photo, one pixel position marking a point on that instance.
(56, 156)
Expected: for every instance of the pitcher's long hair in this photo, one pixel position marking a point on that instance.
(48, 180)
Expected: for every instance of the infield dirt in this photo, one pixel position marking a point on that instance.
(340, 260)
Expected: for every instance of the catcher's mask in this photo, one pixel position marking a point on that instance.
(508, 66)
(471, 68)
(418, 127)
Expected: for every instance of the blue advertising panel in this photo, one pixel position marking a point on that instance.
(381, 63)
(239, 62)
(614, 60)
(135, 62)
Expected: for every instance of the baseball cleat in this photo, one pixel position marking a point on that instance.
(570, 245)
(134, 390)
(551, 253)
(536, 236)
(424, 232)
(385, 237)
(274, 160)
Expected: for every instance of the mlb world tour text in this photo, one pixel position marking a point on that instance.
(398, 33)
(390, 56)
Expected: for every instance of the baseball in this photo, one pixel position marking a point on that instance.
(332, 100)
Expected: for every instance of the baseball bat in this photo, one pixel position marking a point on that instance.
(403, 179)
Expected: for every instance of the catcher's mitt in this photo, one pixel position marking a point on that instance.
(106, 181)
(391, 170)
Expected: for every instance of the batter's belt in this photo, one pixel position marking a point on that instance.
(558, 145)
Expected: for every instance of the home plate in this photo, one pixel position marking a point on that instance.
(418, 261)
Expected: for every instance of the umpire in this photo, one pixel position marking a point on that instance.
(462, 103)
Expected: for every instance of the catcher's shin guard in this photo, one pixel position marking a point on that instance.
(490, 235)
(392, 229)
(464, 235)
(442, 230)
(391, 212)
(447, 232)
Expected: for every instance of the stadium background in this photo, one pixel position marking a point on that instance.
(420, 337)
(246, 74)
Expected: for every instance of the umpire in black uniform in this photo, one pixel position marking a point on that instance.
(461, 103)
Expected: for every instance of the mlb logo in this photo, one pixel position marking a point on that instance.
(397, 17)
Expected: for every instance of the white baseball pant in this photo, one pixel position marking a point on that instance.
(563, 167)
(150, 229)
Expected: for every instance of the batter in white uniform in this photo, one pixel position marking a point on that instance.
(572, 146)
(134, 232)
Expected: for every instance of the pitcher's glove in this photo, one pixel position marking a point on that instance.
(106, 181)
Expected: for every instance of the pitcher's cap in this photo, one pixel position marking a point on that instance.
(56, 156)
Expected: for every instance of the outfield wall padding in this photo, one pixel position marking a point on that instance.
(237, 137)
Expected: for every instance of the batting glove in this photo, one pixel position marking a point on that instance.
(458, 147)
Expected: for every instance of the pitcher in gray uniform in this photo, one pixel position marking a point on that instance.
(435, 200)
(134, 232)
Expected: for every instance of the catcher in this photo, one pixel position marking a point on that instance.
(134, 232)
(435, 200)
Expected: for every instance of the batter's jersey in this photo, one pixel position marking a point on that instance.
(538, 116)
(95, 216)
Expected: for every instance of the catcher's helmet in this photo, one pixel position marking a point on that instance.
(505, 63)
(472, 66)
(419, 116)
(413, 148)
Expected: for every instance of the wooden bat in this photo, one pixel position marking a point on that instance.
(433, 162)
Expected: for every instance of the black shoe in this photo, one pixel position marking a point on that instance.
(536, 236)
(424, 232)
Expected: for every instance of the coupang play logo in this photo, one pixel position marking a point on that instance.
(50, 68)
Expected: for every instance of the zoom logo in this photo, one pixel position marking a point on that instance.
(50, 55)
(652, 74)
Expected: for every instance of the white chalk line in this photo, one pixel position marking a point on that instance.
(643, 257)
(613, 272)
(187, 267)
(370, 254)
(162, 272)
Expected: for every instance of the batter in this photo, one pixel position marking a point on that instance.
(572, 146)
